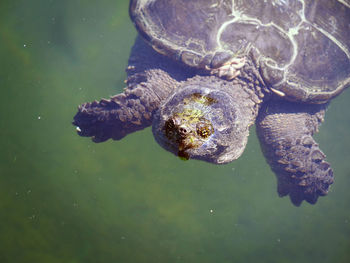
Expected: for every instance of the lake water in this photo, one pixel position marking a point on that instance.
(64, 198)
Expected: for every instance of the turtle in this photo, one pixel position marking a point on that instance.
(202, 72)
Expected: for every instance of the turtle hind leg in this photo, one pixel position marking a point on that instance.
(285, 132)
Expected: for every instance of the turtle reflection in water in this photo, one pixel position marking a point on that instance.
(201, 72)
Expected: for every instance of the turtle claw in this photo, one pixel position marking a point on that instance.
(230, 69)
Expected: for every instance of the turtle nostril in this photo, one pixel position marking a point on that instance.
(182, 131)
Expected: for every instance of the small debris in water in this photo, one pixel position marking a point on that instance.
(32, 217)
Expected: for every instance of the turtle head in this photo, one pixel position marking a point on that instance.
(201, 121)
(188, 129)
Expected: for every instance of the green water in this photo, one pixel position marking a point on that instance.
(66, 199)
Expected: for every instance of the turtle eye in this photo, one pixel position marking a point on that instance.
(204, 130)
(169, 128)
(169, 124)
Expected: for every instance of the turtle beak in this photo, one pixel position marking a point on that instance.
(180, 135)
(185, 143)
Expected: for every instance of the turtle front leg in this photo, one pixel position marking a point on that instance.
(151, 77)
(285, 131)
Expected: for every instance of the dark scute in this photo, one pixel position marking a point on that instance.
(331, 16)
(181, 24)
(319, 62)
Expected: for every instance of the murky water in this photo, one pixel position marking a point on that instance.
(66, 199)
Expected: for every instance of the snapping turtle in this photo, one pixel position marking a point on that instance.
(203, 71)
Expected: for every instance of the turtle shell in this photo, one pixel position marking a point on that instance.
(300, 48)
